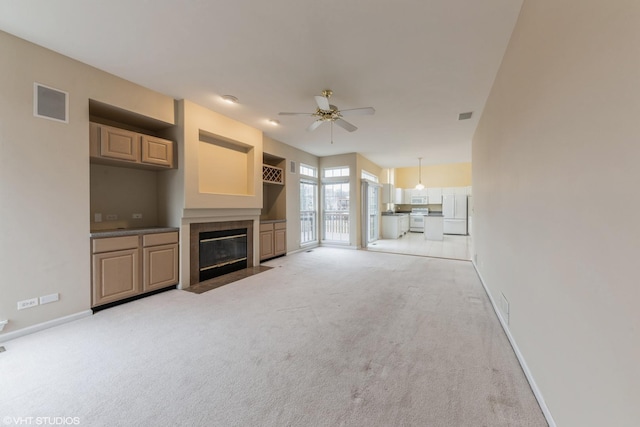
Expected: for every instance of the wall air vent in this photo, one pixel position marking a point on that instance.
(50, 103)
(292, 167)
(465, 116)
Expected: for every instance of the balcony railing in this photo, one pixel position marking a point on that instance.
(336, 226)
(308, 227)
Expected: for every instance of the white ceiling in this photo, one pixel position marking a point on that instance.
(419, 63)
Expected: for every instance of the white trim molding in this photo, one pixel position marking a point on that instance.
(42, 326)
(525, 368)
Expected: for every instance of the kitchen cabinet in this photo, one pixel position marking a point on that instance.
(118, 273)
(404, 223)
(160, 260)
(157, 151)
(408, 192)
(394, 226)
(273, 239)
(115, 269)
(434, 196)
(388, 193)
(120, 147)
(433, 227)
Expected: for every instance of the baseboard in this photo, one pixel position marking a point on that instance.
(525, 368)
(45, 325)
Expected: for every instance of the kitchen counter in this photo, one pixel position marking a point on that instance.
(271, 221)
(130, 231)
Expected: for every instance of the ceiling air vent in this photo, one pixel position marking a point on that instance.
(50, 103)
(465, 116)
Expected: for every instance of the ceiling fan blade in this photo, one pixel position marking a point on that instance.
(313, 126)
(358, 111)
(295, 114)
(345, 125)
(323, 103)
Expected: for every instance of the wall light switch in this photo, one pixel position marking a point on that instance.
(97, 217)
(49, 298)
(112, 217)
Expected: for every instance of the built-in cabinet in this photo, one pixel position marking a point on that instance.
(273, 239)
(117, 270)
(273, 225)
(121, 147)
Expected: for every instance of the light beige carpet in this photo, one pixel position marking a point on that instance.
(326, 338)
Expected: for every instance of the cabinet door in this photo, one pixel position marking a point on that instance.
(157, 151)
(119, 144)
(115, 276)
(160, 267)
(266, 245)
(280, 242)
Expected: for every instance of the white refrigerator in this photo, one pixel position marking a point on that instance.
(454, 210)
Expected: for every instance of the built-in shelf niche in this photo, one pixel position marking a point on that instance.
(274, 204)
(225, 166)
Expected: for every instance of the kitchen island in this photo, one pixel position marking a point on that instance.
(434, 226)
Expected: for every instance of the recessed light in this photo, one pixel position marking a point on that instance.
(230, 99)
(274, 122)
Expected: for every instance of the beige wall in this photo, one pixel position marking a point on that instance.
(123, 191)
(555, 184)
(44, 178)
(446, 175)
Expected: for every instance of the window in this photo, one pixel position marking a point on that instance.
(308, 211)
(336, 172)
(308, 170)
(335, 211)
(369, 176)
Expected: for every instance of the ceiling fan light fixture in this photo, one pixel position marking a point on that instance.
(419, 185)
(274, 122)
(229, 99)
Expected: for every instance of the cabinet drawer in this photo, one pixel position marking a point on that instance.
(114, 244)
(160, 239)
(266, 227)
(280, 225)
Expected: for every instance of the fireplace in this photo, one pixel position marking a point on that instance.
(219, 248)
(222, 252)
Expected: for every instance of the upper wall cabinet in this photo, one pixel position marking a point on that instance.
(120, 147)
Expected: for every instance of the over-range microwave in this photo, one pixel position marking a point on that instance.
(418, 200)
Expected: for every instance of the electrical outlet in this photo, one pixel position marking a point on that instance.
(112, 217)
(49, 298)
(27, 303)
(97, 217)
(136, 216)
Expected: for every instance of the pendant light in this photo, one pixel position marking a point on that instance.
(419, 186)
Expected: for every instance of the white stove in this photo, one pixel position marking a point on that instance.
(416, 219)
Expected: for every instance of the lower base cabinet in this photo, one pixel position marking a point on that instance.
(273, 239)
(117, 272)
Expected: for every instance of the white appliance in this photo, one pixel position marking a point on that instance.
(416, 219)
(418, 200)
(454, 209)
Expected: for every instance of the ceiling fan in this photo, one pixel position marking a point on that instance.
(330, 113)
